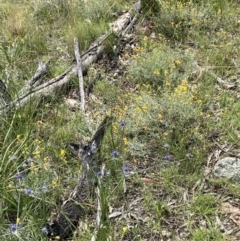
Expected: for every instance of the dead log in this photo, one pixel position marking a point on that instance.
(91, 55)
(74, 208)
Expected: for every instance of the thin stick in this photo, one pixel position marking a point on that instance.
(99, 208)
(98, 218)
(80, 75)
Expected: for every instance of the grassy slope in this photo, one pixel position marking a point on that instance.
(176, 116)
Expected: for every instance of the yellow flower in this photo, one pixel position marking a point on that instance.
(125, 141)
(166, 73)
(18, 138)
(160, 117)
(39, 123)
(62, 153)
(199, 102)
(38, 141)
(125, 229)
(168, 84)
(45, 166)
(45, 159)
(156, 72)
(177, 62)
(54, 182)
(36, 153)
(33, 167)
(10, 185)
(18, 220)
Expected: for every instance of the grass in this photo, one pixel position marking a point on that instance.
(170, 117)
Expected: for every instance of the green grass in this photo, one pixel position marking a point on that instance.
(168, 99)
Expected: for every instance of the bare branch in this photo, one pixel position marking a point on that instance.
(80, 75)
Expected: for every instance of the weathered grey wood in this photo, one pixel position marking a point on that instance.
(90, 56)
(5, 98)
(80, 75)
(74, 208)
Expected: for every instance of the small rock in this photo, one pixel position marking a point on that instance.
(153, 35)
(166, 233)
(227, 167)
(115, 75)
(72, 104)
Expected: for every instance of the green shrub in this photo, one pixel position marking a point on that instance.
(157, 64)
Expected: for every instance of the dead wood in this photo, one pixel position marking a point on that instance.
(5, 97)
(80, 75)
(119, 28)
(75, 207)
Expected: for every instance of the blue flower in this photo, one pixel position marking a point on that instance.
(44, 230)
(19, 176)
(100, 174)
(126, 169)
(115, 153)
(122, 123)
(13, 227)
(29, 191)
(167, 158)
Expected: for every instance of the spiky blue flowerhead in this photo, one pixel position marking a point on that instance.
(122, 123)
(28, 191)
(19, 176)
(115, 153)
(13, 227)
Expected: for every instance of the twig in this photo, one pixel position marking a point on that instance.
(33, 82)
(130, 25)
(42, 68)
(98, 218)
(80, 75)
(137, 7)
(99, 208)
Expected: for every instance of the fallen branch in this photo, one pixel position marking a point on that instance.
(42, 68)
(99, 208)
(80, 75)
(74, 208)
(91, 55)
